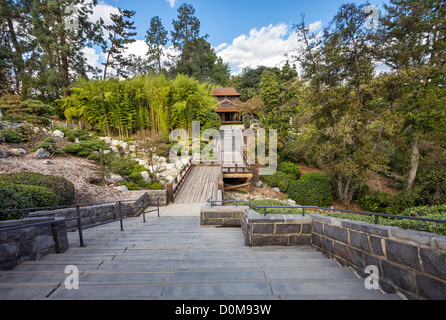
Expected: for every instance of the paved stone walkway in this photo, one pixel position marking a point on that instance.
(173, 258)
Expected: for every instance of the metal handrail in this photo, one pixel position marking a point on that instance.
(79, 217)
(374, 214)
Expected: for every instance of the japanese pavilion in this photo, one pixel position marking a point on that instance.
(227, 110)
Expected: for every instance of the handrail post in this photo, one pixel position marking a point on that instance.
(158, 202)
(264, 211)
(303, 211)
(376, 219)
(120, 215)
(143, 211)
(79, 226)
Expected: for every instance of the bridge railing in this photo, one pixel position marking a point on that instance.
(303, 208)
(175, 185)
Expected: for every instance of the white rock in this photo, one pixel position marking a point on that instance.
(132, 148)
(115, 178)
(170, 178)
(122, 188)
(47, 162)
(115, 143)
(107, 140)
(114, 149)
(145, 174)
(185, 161)
(179, 165)
(58, 133)
(291, 202)
(276, 189)
(17, 151)
(142, 162)
(106, 151)
(124, 145)
(170, 166)
(162, 160)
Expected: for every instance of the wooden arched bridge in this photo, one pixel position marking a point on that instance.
(197, 183)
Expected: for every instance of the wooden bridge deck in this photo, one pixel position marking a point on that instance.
(201, 185)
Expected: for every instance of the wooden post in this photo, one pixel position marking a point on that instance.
(221, 186)
(170, 198)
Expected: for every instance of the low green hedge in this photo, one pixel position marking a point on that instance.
(289, 168)
(279, 180)
(63, 188)
(17, 196)
(313, 189)
(271, 202)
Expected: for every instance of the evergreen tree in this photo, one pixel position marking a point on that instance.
(186, 28)
(119, 35)
(156, 40)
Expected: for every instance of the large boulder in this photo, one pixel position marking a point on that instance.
(3, 154)
(18, 151)
(58, 133)
(42, 154)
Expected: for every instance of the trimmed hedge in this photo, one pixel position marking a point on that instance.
(17, 196)
(63, 188)
(290, 168)
(272, 202)
(279, 180)
(313, 189)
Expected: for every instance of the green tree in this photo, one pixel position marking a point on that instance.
(156, 39)
(119, 35)
(186, 27)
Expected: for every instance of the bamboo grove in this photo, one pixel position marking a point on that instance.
(154, 102)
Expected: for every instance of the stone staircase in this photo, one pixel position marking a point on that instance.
(173, 258)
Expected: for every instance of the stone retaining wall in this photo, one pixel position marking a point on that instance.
(410, 262)
(30, 243)
(34, 242)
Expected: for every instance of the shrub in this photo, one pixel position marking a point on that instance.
(11, 136)
(63, 188)
(370, 204)
(17, 196)
(86, 148)
(156, 186)
(279, 180)
(129, 184)
(313, 189)
(50, 145)
(81, 135)
(290, 168)
(271, 202)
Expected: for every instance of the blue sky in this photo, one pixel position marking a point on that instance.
(245, 33)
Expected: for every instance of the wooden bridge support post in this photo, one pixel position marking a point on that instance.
(170, 198)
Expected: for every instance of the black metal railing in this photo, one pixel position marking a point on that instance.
(78, 217)
(374, 214)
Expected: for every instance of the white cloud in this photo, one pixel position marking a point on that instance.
(171, 2)
(103, 10)
(265, 47)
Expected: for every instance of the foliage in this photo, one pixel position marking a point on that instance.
(145, 102)
(156, 39)
(289, 168)
(63, 188)
(50, 145)
(19, 196)
(86, 147)
(435, 212)
(120, 35)
(130, 185)
(313, 189)
(10, 136)
(270, 202)
(279, 180)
